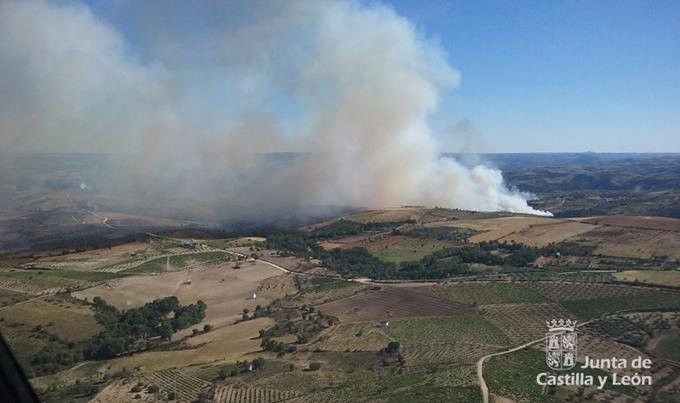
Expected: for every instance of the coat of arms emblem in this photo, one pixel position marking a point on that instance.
(560, 344)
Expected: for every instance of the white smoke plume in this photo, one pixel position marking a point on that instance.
(351, 84)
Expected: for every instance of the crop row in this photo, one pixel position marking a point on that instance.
(568, 291)
(250, 394)
(460, 352)
(187, 387)
(523, 322)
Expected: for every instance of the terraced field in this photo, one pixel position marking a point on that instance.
(250, 394)
(186, 387)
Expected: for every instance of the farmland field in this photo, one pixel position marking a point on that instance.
(249, 394)
(392, 302)
(225, 290)
(543, 234)
(50, 281)
(647, 300)
(318, 290)
(491, 229)
(670, 277)
(70, 320)
(354, 337)
(387, 215)
(567, 291)
(228, 343)
(399, 249)
(523, 322)
(186, 387)
(8, 297)
(488, 293)
(514, 376)
(639, 243)
(657, 223)
(446, 329)
(443, 326)
(175, 262)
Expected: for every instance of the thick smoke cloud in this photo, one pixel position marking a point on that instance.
(350, 84)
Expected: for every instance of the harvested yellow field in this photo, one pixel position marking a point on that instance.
(228, 343)
(492, 229)
(225, 290)
(634, 242)
(543, 234)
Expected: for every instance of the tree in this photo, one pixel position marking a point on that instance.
(314, 366)
(258, 364)
(392, 347)
(166, 330)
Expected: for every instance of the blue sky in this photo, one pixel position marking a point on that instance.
(537, 76)
(560, 75)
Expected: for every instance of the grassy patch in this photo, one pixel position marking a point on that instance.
(647, 300)
(490, 293)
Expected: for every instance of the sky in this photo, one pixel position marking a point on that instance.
(532, 76)
(560, 75)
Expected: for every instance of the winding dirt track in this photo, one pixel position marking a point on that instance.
(480, 363)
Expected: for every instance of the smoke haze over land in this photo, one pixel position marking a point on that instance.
(349, 84)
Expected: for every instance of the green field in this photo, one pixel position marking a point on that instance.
(488, 293)
(446, 329)
(407, 249)
(592, 308)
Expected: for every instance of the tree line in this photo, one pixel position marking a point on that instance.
(134, 329)
(447, 262)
